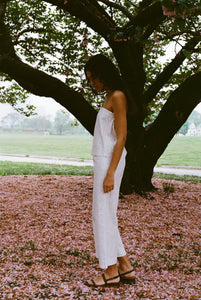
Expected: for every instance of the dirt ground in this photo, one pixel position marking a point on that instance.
(47, 248)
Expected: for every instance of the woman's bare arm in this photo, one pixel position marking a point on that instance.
(119, 109)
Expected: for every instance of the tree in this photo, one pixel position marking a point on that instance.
(42, 39)
(11, 120)
(184, 128)
(36, 123)
(61, 121)
(195, 117)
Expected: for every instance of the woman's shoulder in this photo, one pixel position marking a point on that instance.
(118, 97)
(118, 93)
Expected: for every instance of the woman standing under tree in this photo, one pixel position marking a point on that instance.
(109, 162)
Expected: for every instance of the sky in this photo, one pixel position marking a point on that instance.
(44, 107)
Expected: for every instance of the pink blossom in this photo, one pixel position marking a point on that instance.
(167, 12)
(118, 40)
(171, 13)
(156, 41)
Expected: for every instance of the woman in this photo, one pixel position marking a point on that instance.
(109, 161)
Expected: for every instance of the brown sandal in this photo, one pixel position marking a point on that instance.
(126, 279)
(106, 284)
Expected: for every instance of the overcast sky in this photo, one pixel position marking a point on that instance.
(44, 107)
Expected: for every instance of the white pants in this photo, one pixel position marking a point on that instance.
(108, 242)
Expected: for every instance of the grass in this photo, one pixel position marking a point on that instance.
(72, 146)
(182, 151)
(12, 168)
(187, 178)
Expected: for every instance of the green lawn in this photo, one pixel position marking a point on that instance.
(13, 168)
(77, 146)
(184, 151)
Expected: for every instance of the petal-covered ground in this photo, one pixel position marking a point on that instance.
(47, 248)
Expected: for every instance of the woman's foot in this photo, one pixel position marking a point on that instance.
(127, 276)
(126, 271)
(109, 278)
(103, 281)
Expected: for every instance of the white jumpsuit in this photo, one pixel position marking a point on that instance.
(108, 242)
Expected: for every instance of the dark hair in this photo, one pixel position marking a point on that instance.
(102, 68)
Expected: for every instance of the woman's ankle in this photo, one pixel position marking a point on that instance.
(112, 271)
(124, 264)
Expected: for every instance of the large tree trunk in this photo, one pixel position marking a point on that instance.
(146, 147)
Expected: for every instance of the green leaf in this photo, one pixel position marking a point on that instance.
(187, 54)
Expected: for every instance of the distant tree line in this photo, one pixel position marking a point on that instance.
(62, 123)
(195, 118)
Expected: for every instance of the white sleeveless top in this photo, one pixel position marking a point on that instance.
(104, 134)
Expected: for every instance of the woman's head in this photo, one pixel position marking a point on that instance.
(100, 69)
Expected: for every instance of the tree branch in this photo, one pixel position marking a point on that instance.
(2, 9)
(150, 29)
(144, 3)
(178, 34)
(90, 12)
(28, 30)
(6, 45)
(182, 100)
(169, 71)
(42, 84)
(119, 7)
(144, 17)
(172, 116)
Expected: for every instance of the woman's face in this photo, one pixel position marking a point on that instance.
(95, 82)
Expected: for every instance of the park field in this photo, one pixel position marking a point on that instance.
(69, 146)
(182, 151)
(185, 151)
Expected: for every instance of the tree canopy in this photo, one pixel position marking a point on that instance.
(58, 37)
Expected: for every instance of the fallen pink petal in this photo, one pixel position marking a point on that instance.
(47, 247)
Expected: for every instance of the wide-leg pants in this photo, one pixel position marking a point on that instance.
(108, 243)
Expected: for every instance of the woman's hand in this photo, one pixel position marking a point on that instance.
(108, 183)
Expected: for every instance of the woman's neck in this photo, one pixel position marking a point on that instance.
(108, 93)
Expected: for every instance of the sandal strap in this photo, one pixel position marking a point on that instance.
(122, 274)
(94, 284)
(106, 280)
